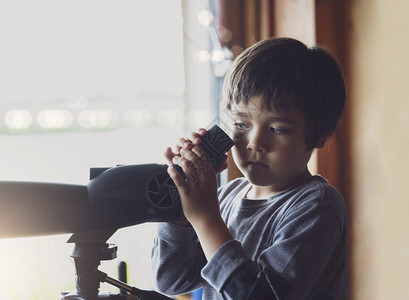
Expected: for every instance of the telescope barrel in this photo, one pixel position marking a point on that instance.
(31, 208)
(117, 197)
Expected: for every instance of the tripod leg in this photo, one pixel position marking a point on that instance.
(122, 276)
(139, 294)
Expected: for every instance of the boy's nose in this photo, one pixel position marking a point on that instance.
(257, 142)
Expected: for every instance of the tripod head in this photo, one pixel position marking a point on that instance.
(90, 248)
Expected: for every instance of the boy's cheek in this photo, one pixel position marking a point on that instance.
(238, 138)
(239, 155)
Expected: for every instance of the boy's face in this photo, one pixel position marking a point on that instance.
(270, 148)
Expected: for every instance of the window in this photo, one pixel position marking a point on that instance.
(87, 84)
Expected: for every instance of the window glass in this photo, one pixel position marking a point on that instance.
(84, 84)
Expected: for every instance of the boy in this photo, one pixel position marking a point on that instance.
(278, 232)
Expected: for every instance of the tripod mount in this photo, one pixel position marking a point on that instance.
(89, 249)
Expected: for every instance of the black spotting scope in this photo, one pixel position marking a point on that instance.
(114, 198)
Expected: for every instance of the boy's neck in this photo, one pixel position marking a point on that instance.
(264, 192)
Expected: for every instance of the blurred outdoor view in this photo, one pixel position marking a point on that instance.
(86, 84)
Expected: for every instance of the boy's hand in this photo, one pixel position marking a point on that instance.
(198, 191)
(188, 143)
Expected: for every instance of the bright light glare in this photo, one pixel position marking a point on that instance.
(205, 17)
(18, 119)
(202, 55)
(54, 119)
(171, 118)
(225, 34)
(217, 56)
(97, 119)
(138, 118)
(206, 55)
(87, 58)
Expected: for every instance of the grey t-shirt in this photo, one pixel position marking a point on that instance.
(296, 240)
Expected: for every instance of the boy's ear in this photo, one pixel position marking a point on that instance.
(321, 142)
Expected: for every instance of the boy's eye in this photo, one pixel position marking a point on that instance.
(240, 126)
(278, 130)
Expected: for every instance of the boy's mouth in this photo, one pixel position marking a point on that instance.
(256, 164)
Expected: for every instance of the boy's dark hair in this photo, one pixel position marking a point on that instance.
(284, 72)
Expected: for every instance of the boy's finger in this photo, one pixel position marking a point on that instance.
(202, 157)
(192, 154)
(221, 164)
(189, 168)
(185, 163)
(176, 150)
(196, 157)
(169, 154)
(198, 151)
(176, 177)
(202, 131)
(183, 143)
(195, 136)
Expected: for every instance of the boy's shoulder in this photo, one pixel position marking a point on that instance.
(316, 185)
(316, 192)
(326, 192)
(233, 187)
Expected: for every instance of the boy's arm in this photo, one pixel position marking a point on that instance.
(198, 193)
(177, 260)
(177, 256)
